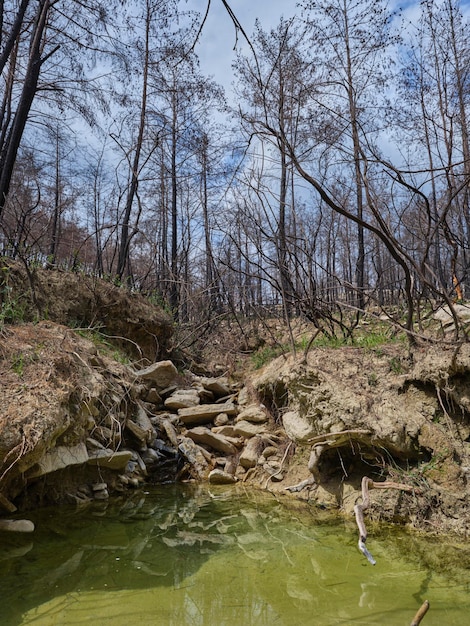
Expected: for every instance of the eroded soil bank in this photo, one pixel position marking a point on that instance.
(77, 423)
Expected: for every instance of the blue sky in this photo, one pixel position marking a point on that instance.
(215, 48)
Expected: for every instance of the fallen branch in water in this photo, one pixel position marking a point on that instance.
(368, 483)
(420, 614)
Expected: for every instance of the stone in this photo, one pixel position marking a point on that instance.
(193, 453)
(219, 477)
(247, 429)
(221, 420)
(254, 413)
(182, 399)
(205, 413)
(270, 451)
(297, 428)
(162, 374)
(251, 452)
(107, 459)
(203, 435)
(218, 386)
(59, 458)
(243, 396)
(153, 397)
(143, 436)
(142, 419)
(99, 486)
(17, 525)
(227, 431)
(101, 495)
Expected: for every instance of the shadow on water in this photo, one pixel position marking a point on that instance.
(191, 555)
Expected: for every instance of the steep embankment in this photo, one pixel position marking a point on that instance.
(77, 424)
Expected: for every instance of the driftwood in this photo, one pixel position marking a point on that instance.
(420, 614)
(368, 483)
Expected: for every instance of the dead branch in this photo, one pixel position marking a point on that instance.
(368, 483)
(420, 614)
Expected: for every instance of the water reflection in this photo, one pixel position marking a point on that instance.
(189, 555)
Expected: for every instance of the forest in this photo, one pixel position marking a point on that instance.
(333, 181)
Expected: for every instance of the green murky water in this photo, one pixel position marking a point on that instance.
(190, 555)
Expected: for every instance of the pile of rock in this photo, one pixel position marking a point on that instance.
(205, 428)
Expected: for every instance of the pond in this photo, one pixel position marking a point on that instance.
(178, 555)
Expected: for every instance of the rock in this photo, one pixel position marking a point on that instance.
(254, 413)
(221, 420)
(6, 505)
(182, 399)
(218, 386)
(142, 435)
(227, 431)
(205, 413)
(17, 525)
(251, 452)
(170, 431)
(243, 396)
(153, 397)
(162, 374)
(219, 477)
(99, 486)
(59, 458)
(150, 457)
(203, 435)
(270, 451)
(192, 452)
(297, 428)
(101, 495)
(247, 429)
(142, 419)
(108, 459)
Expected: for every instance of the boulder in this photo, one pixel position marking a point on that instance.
(205, 413)
(203, 435)
(59, 458)
(162, 374)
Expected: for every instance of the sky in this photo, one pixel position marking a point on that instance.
(216, 46)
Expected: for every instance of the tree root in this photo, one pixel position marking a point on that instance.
(368, 483)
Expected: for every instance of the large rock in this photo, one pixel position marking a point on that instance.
(205, 413)
(162, 374)
(59, 458)
(203, 435)
(107, 459)
(298, 428)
